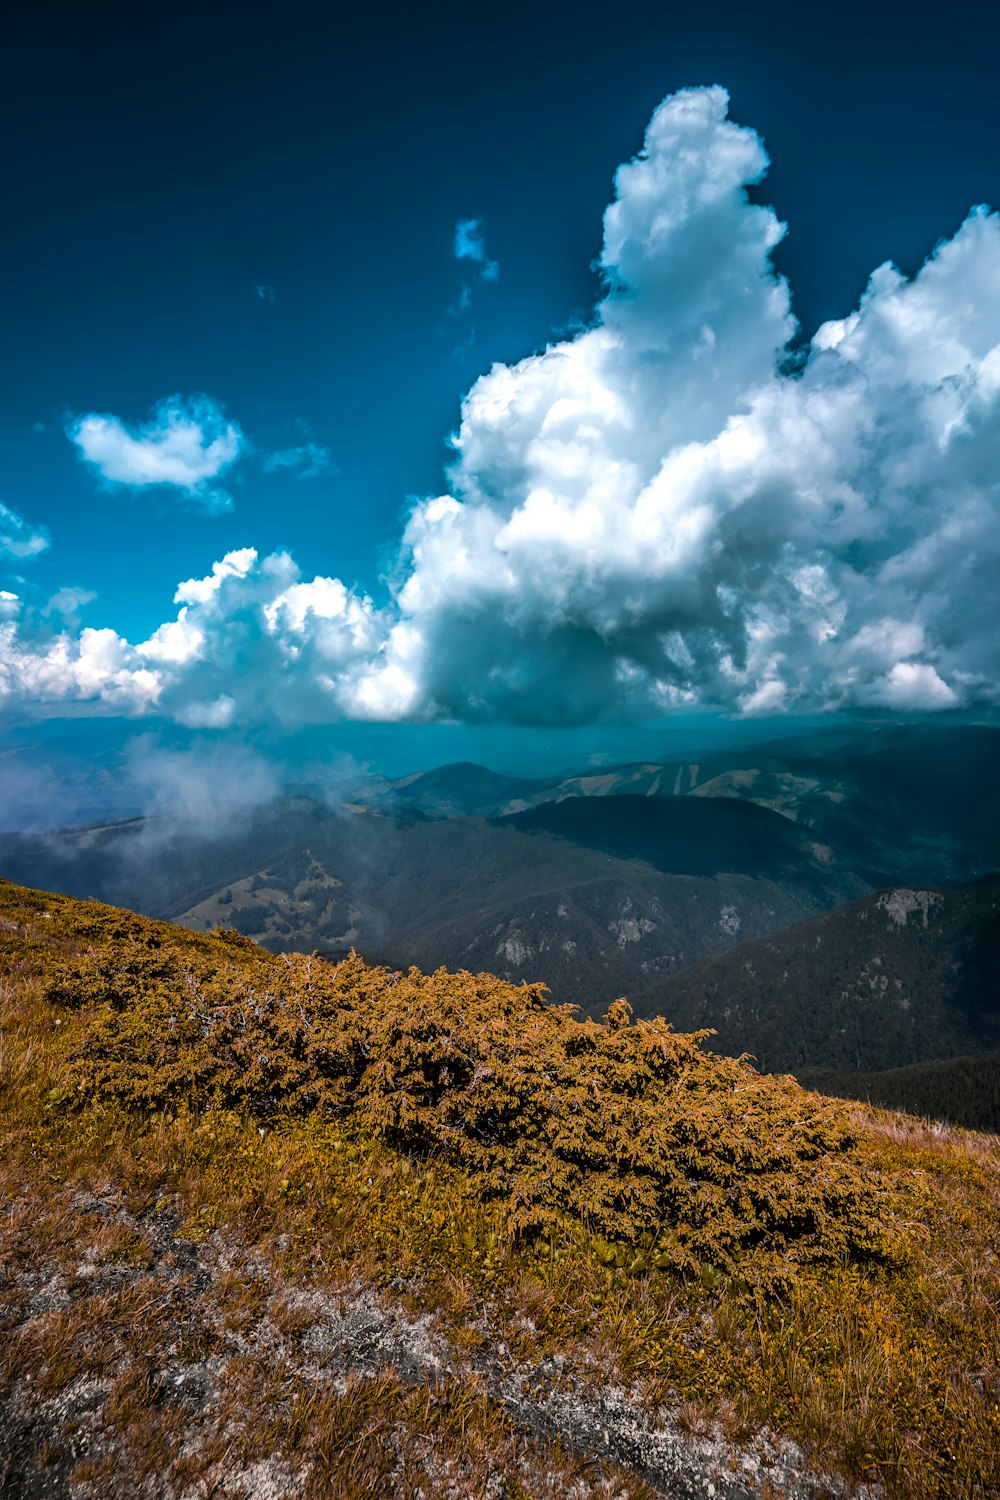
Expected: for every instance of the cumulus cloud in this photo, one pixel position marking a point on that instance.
(187, 444)
(652, 513)
(17, 538)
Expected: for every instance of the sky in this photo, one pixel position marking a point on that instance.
(531, 367)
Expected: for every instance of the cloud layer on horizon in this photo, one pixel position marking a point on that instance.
(656, 512)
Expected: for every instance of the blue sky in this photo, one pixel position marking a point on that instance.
(317, 229)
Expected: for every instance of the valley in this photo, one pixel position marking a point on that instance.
(825, 901)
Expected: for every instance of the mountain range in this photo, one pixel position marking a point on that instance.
(594, 899)
(809, 898)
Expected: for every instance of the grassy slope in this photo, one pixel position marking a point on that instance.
(204, 1143)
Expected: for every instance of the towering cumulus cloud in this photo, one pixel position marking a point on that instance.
(654, 512)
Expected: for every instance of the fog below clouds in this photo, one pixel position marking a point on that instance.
(66, 773)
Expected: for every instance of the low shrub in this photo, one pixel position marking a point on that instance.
(630, 1129)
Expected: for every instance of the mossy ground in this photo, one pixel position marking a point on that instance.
(610, 1196)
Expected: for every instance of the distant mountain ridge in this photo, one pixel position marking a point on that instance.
(901, 802)
(593, 898)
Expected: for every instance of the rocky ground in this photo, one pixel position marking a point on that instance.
(161, 1366)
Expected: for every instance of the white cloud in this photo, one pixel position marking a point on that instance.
(187, 444)
(17, 538)
(914, 686)
(651, 513)
(95, 666)
(67, 603)
(198, 792)
(470, 245)
(201, 590)
(217, 714)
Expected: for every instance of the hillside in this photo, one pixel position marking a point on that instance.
(276, 1227)
(457, 790)
(901, 976)
(963, 1091)
(909, 803)
(687, 836)
(593, 898)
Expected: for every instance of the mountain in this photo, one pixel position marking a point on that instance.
(607, 882)
(687, 836)
(594, 899)
(458, 790)
(901, 976)
(272, 1227)
(913, 803)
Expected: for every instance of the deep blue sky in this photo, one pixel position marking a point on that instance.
(161, 163)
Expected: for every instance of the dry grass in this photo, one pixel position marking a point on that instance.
(139, 1240)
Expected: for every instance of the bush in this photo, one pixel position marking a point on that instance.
(630, 1129)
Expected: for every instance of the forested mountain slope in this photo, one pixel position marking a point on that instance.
(901, 976)
(593, 898)
(963, 1091)
(901, 803)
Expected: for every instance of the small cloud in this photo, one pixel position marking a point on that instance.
(463, 303)
(39, 427)
(312, 460)
(470, 244)
(67, 604)
(19, 539)
(463, 348)
(265, 293)
(186, 445)
(216, 714)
